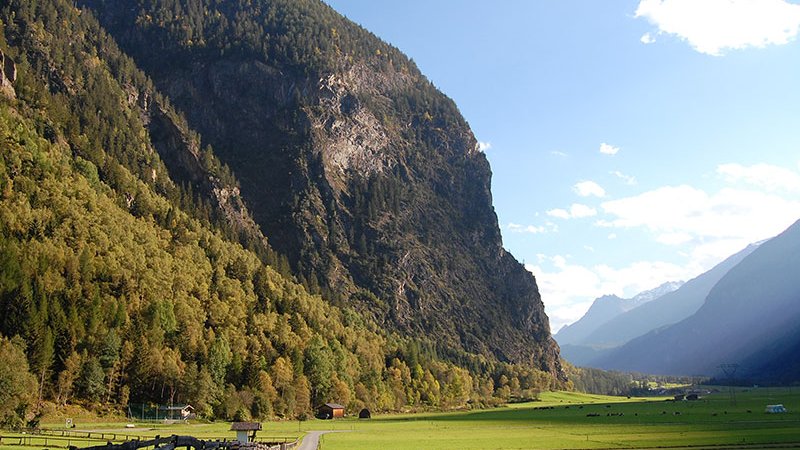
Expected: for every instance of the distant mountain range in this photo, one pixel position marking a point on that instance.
(750, 317)
(671, 307)
(607, 308)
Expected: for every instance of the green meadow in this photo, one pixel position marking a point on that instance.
(559, 420)
(614, 423)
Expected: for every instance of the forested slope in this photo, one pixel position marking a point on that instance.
(353, 164)
(131, 268)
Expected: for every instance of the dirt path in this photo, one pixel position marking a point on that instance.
(311, 439)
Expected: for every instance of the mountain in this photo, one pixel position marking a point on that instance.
(264, 208)
(606, 308)
(353, 164)
(652, 294)
(750, 317)
(573, 338)
(602, 310)
(667, 309)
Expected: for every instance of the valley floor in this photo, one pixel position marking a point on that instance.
(560, 421)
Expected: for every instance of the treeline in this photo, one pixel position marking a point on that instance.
(305, 36)
(611, 382)
(119, 284)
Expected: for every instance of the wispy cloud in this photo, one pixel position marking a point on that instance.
(576, 211)
(716, 224)
(608, 149)
(629, 180)
(549, 227)
(712, 26)
(568, 289)
(483, 146)
(589, 188)
(558, 153)
(647, 38)
(766, 176)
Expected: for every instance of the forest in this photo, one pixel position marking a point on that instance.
(120, 284)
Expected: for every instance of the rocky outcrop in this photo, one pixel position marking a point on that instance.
(357, 169)
(8, 75)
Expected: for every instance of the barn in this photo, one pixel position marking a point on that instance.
(330, 411)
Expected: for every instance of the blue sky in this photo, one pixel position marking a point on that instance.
(631, 142)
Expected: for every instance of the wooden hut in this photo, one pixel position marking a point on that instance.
(330, 411)
(245, 431)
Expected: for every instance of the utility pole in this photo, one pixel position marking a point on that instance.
(730, 370)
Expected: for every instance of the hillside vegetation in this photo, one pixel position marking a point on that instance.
(352, 163)
(131, 268)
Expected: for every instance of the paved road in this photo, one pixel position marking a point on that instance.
(311, 439)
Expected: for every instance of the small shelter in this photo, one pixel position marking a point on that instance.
(245, 431)
(330, 411)
(364, 414)
(178, 412)
(775, 409)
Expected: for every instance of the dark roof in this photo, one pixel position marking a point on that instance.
(245, 426)
(178, 407)
(175, 407)
(333, 406)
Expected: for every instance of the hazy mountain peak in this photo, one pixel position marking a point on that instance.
(652, 294)
(606, 308)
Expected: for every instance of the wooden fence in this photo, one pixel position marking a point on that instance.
(74, 440)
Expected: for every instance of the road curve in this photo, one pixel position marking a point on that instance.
(311, 439)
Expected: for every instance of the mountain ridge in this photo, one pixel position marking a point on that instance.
(752, 318)
(667, 309)
(134, 266)
(606, 308)
(350, 140)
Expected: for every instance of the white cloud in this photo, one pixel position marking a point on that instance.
(629, 180)
(589, 188)
(647, 38)
(712, 26)
(576, 211)
(772, 178)
(718, 224)
(568, 289)
(483, 146)
(559, 154)
(676, 238)
(549, 227)
(608, 149)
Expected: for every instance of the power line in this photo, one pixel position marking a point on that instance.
(730, 370)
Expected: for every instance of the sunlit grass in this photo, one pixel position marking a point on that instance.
(559, 420)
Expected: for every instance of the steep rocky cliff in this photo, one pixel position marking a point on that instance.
(352, 164)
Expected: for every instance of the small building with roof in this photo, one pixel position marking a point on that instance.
(330, 411)
(246, 431)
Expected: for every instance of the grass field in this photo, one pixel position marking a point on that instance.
(560, 420)
(620, 423)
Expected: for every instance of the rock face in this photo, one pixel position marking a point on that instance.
(352, 164)
(8, 75)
